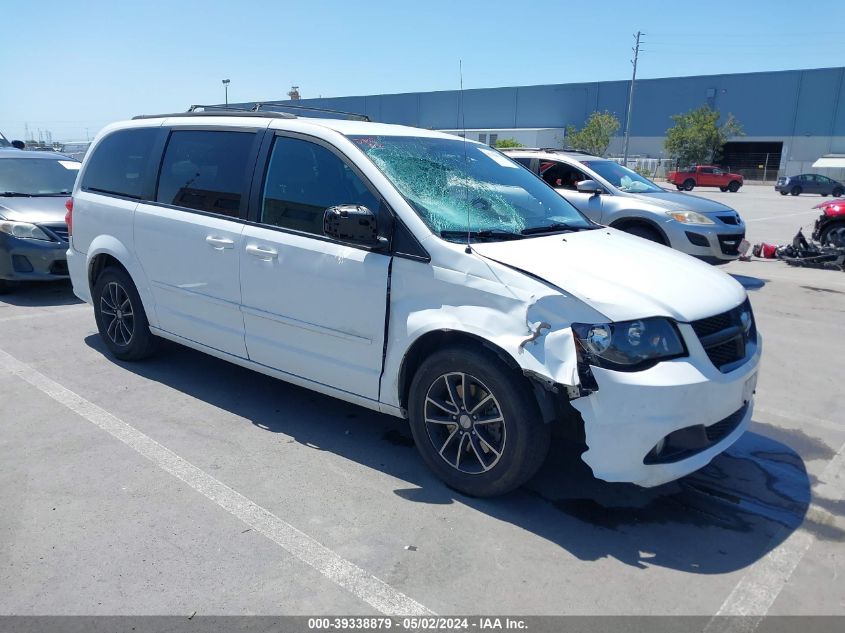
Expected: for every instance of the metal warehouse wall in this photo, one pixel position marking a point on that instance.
(783, 103)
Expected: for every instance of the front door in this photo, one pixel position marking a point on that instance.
(189, 239)
(312, 307)
(565, 178)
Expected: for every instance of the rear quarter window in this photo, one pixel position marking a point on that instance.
(120, 163)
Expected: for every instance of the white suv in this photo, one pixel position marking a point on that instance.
(415, 274)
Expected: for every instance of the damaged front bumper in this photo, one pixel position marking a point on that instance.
(653, 426)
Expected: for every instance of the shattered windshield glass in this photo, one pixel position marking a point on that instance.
(621, 177)
(452, 183)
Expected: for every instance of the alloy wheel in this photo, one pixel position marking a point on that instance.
(465, 423)
(117, 314)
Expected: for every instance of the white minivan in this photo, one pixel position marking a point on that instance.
(417, 274)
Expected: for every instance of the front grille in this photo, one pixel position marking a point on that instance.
(730, 243)
(729, 219)
(57, 230)
(725, 338)
(719, 431)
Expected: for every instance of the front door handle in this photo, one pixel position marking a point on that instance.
(219, 243)
(262, 252)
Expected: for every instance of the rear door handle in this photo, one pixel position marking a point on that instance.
(219, 243)
(262, 252)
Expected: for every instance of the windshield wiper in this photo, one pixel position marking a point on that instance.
(15, 194)
(557, 227)
(496, 234)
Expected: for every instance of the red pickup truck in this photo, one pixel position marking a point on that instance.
(704, 176)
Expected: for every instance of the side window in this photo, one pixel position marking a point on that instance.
(118, 165)
(706, 170)
(526, 162)
(561, 175)
(303, 180)
(205, 170)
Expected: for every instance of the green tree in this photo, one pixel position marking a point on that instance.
(503, 143)
(698, 138)
(595, 136)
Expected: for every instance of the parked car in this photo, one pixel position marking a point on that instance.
(416, 274)
(704, 176)
(76, 149)
(33, 236)
(809, 183)
(830, 227)
(610, 194)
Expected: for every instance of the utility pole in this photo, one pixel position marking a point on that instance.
(631, 99)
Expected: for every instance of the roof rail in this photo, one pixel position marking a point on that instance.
(220, 111)
(354, 116)
(557, 150)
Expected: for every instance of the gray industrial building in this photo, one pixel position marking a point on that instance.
(791, 118)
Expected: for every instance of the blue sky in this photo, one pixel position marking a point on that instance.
(67, 66)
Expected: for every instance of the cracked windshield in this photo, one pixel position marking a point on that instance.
(454, 183)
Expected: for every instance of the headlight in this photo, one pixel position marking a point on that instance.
(689, 217)
(23, 230)
(628, 345)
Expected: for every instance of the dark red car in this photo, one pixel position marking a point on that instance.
(831, 224)
(705, 176)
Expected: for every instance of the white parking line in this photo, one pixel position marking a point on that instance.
(34, 315)
(340, 571)
(784, 215)
(757, 591)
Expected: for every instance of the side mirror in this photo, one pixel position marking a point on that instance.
(353, 223)
(19, 144)
(590, 186)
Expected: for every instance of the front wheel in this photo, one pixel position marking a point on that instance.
(475, 422)
(680, 187)
(689, 183)
(733, 186)
(795, 191)
(120, 316)
(837, 193)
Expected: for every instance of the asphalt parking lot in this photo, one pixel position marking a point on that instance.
(184, 484)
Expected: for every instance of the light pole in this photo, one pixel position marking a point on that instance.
(631, 100)
(226, 88)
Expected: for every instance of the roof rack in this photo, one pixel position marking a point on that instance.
(219, 111)
(355, 116)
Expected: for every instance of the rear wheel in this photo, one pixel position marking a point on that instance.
(783, 193)
(689, 183)
(120, 316)
(723, 188)
(475, 422)
(833, 234)
(680, 187)
(837, 193)
(795, 191)
(733, 186)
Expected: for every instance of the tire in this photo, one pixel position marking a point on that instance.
(490, 458)
(680, 187)
(783, 193)
(723, 189)
(644, 231)
(733, 186)
(795, 191)
(689, 183)
(829, 234)
(837, 193)
(120, 316)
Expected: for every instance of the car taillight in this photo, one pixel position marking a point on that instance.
(69, 216)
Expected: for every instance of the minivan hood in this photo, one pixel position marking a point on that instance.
(676, 201)
(620, 275)
(38, 210)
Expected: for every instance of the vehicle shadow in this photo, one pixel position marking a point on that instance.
(750, 283)
(41, 294)
(720, 519)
